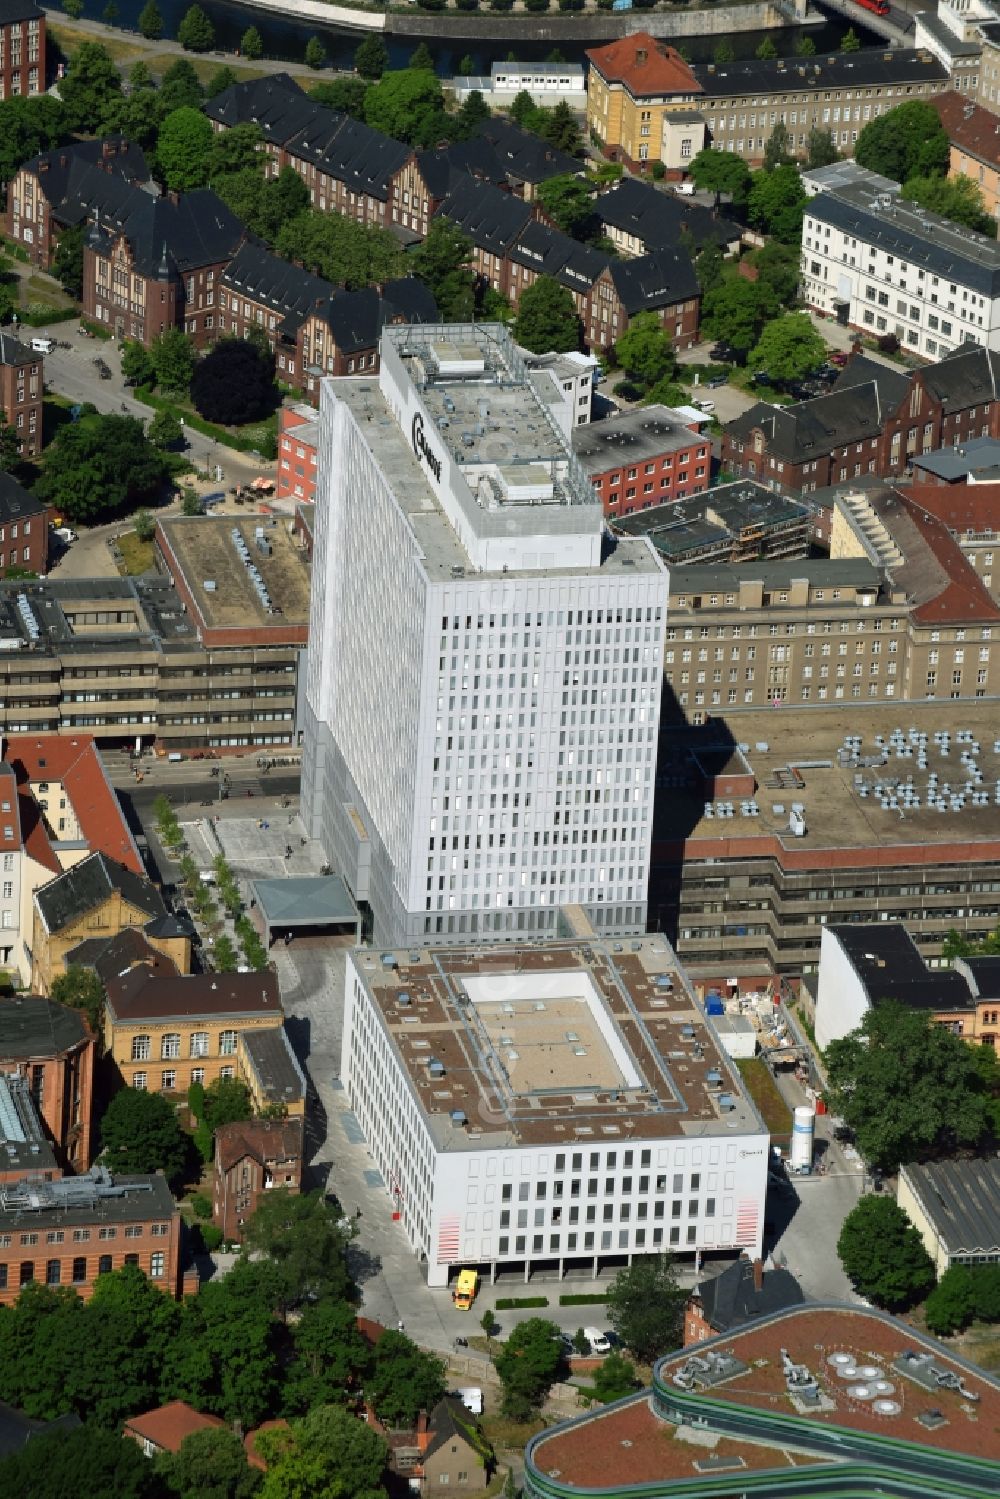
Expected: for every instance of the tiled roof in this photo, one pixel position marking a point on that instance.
(13, 352)
(140, 994)
(960, 507)
(524, 156)
(111, 956)
(645, 65)
(88, 885)
(962, 597)
(75, 762)
(34, 1026)
(167, 236)
(263, 1139)
(653, 281)
(168, 1425)
(969, 127)
(659, 219)
(777, 75)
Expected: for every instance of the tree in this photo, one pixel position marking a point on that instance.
(789, 348)
(110, 13)
(776, 149)
(341, 251)
(402, 102)
(196, 32)
(140, 79)
(315, 55)
(466, 65)
(346, 94)
(470, 116)
(87, 1460)
(523, 109)
(211, 1464)
(235, 150)
(986, 1288)
(183, 148)
(883, 1256)
(559, 127)
(404, 1380)
(98, 465)
(567, 202)
(328, 1452)
(956, 198)
(172, 356)
(906, 1087)
(74, 9)
(29, 126)
(180, 86)
(225, 1358)
(372, 58)
(331, 1357)
(720, 172)
(91, 85)
(10, 446)
(736, 310)
(645, 351)
(820, 149)
(67, 263)
(777, 268)
(951, 1305)
(234, 383)
(527, 1365)
(252, 44)
(909, 141)
(303, 1237)
(547, 318)
(165, 432)
(150, 21)
(850, 42)
(723, 51)
(422, 57)
(227, 1101)
(766, 50)
(225, 958)
(776, 202)
(140, 1133)
(441, 262)
(614, 1378)
(805, 47)
(80, 989)
(137, 366)
(220, 80)
(645, 1306)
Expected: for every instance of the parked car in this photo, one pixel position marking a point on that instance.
(716, 381)
(66, 534)
(705, 405)
(722, 351)
(598, 1340)
(839, 359)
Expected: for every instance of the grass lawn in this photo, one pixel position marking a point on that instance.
(137, 556)
(764, 1091)
(502, 1432)
(127, 49)
(39, 290)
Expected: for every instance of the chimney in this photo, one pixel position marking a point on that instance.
(640, 56)
(758, 1276)
(422, 1423)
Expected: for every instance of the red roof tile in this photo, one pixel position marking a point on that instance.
(644, 65)
(969, 127)
(264, 1139)
(961, 507)
(168, 1425)
(76, 763)
(965, 599)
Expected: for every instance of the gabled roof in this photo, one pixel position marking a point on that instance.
(168, 1425)
(552, 253)
(89, 174)
(13, 352)
(659, 219)
(982, 975)
(651, 282)
(285, 288)
(731, 1299)
(88, 885)
(524, 156)
(450, 1421)
(491, 218)
(959, 596)
(356, 318)
(967, 377)
(17, 1429)
(854, 411)
(274, 102)
(141, 994)
(18, 10)
(32, 1025)
(475, 158)
(969, 127)
(645, 65)
(168, 236)
(261, 1139)
(77, 765)
(15, 501)
(110, 957)
(779, 75)
(960, 507)
(961, 1200)
(349, 151)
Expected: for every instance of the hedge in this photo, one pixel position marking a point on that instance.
(511, 1303)
(596, 1298)
(37, 315)
(264, 433)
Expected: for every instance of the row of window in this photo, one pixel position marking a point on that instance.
(54, 1270)
(170, 1045)
(32, 1237)
(168, 1078)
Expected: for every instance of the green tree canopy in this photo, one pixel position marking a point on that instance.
(422, 57)
(883, 1256)
(469, 117)
(80, 989)
(252, 44)
(315, 54)
(303, 1237)
(140, 1132)
(559, 127)
(908, 141)
(346, 93)
(567, 202)
(776, 202)
(165, 431)
(211, 1464)
(220, 80)
(67, 263)
(346, 253)
(372, 58)
(805, 47)
(442, 263)
(951, 1305)
(789, 348)
(88, 1460)
(401, 103)
(10, 447)
(821, 150)
(331, 1357)
(180, 86)
(766, 50)
(235, 150)
(645, 351)
(777, 149)
(404, 1380)
(645, 1307)
(183, 149)
(850, 41)
(723, 51)
(99, 465)
(777, 268)
(986, 1289)
(234, 383)
(328, 1452)
(29, 126)
(547, 318)
(91, 85)
(614, 1378)
(528, 1365)
(150, 21)
(172, 354)
(719, 172)
(227, 1101)
(137, 366)
(906, 1086)
(956, 198)
(225, 1358)
(196, 32)
(735, 310)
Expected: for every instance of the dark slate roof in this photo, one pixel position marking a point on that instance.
(78, 178)
(171, 237)
(869, 67)
(356, 318)
(968, 377)
(524, 156)
(893, 385)
(659, 218)
(273, 1060)
(17, 1429)
(32, 1026)
(854, 410)
(888, 963)
(111, 956)
(552, 253)
(491, 218)
(476, 158)
(984, 974)
(961, 1199)
(450, 1421)
(275, 103)
(285, 288)
(731, 1299)
(14, 352)
(18, 10)
(349, 151)
(654, 281)
(15, 501)
(87, 885)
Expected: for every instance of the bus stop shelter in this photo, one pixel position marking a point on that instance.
(304, 906)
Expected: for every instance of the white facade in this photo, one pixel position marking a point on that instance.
(482, 682)
(841, 995)
(548, 83)
(569, 1201)
(885, 267)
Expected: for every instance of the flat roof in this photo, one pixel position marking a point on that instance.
(961, 1199)
(971, 457)
(631, 438)
(569, 1042)
(77, 1200)
(23, 1144)
(218, 577)
(277, 1070)
(733, 512)
(837, 817)
(890, 967)
(724, 1406)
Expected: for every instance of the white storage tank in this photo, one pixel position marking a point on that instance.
(803, 1128)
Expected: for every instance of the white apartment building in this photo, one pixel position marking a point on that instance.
(563, 1105)
(482, 683)
(883, 265)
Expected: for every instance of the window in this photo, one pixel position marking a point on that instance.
(139, 1079)
(199, 1044)
(227, 1043)
(53, 1272)
(27, 1272)
(140, 1048)
(79, 1270)
(157, 1263)
(170, 1046)
(168, 1079)
(104, 1265)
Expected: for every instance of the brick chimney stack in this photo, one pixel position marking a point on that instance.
(758, 1276)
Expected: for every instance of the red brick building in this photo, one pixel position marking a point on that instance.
(21, 385)
(22, 48)
(298, 435)
(252, 1158)
(24, 529)
(50, 1046)
(67, 186)
(644, 458)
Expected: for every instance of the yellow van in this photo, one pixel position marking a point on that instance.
(465, 1290)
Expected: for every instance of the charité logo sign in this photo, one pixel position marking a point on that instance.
(421, 447)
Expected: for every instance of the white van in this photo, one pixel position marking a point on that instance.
(684, 189)
(598, 1340)
(42, 345)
